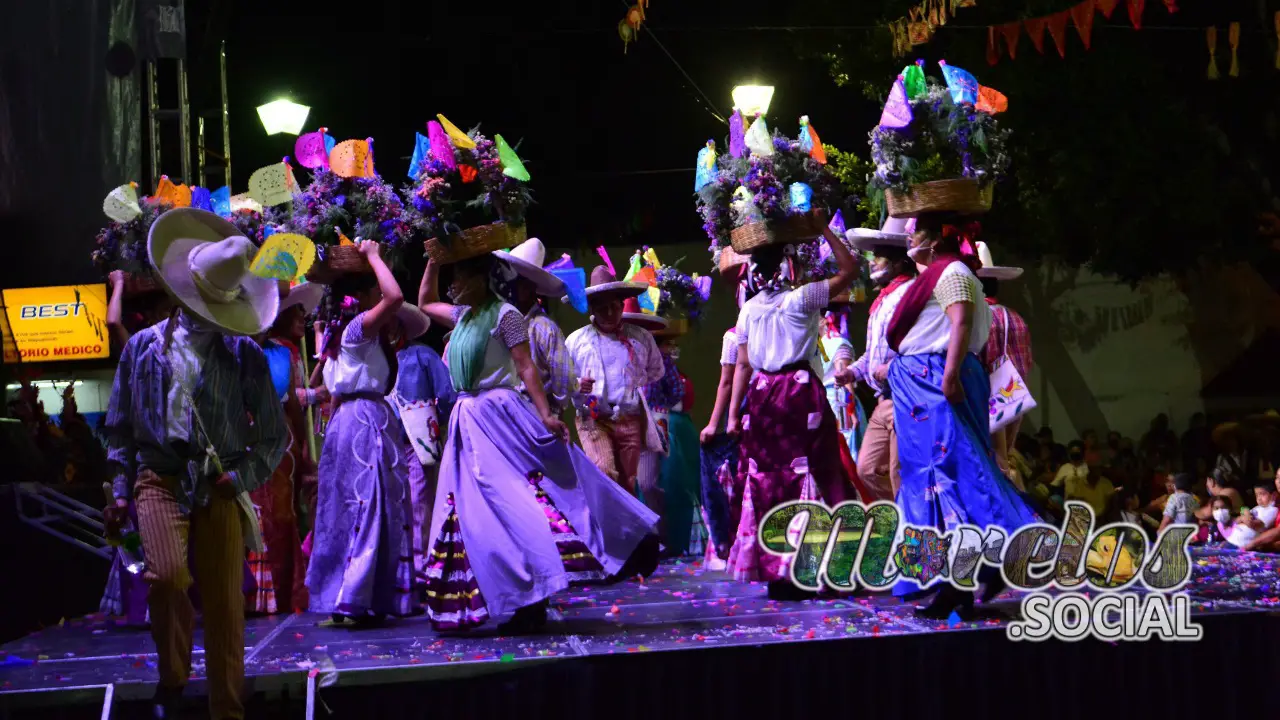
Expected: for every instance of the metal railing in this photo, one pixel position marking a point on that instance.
(61, 516)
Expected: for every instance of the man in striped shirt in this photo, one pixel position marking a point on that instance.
(893, 273)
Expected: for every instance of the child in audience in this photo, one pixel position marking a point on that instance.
(1181, 506)
(1131, 511)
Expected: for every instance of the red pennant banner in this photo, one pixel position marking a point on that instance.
(1106, 7)
(1011, 32)
(1035, 30)
(1058, 29)
(993, 53)
(1135, 12)
(1082, 15)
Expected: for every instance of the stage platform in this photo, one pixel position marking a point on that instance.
(630, 650)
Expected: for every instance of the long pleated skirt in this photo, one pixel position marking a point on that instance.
(520, 514)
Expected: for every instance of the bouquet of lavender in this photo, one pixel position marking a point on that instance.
(681, 295)
(123, 245)
(474, 191)
(366, 208)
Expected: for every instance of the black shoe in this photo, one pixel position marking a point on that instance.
(949, 599)
(784, 590)
(527, 620)
(165, 704)
(643, 561)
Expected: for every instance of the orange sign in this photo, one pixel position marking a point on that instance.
(52, 324)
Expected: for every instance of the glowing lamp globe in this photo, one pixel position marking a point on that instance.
(752, 100)
(283, 116)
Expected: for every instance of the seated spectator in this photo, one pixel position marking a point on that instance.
(1181, 506)
(1160, 440)
(1130, 511)
(1217, 488)
(1214, 531)
(1080, 482)
(1237, 466)
(1092, 452)
(1268, 540)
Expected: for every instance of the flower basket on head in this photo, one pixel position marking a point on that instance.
(335, 261)
(784, 231)
(938, 148)
(965, 196)
(474, 242)
(470, 194)
(768, 190)
(731, 259)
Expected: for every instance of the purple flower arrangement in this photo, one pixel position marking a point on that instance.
(681, 295)
(944, 140)
(365, 208)
(446, 200)
(755, 188)
(123, 245)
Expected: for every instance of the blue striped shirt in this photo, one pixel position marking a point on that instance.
(237, 405)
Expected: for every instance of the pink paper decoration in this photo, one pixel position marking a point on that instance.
(312, 150)
(441, 147)
(897, 110)
(737, 136)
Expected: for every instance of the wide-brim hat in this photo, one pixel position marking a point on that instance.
(413, 322)
(527, 260)
(990, 270)
(203, 263)
(307, 294)
(1223, 430)
(632, 314)
(896, 232)
(604, 282)
(1270, 417)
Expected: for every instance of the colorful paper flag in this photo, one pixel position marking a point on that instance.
(284, 256)
(962, 84)
(737, 136)
(512, 167)
(352, 159)
(1082, 16)
(175, 195)
(801, 197)
(913, 80)
(441, 148)
(704, 171)
(897, 110)
(244, 202)
(575, 286)
(272, 185)
(991, 101)
(220, 201)
(312, 149)
(121, 204)
(461, 140)
(200, 199)
(421, 152)
(758, 139)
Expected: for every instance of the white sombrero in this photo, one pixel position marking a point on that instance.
(306, 294)
(203, 263)
(895, 233)
(604, 282)
(990, 270)
(527, 259)
(413, 321)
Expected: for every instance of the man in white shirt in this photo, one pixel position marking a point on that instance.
(893, 273)
(615, 360)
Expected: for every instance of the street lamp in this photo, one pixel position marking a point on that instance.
(283, 116)
(752, 100)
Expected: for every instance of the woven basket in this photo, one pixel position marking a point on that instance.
(792, 229)
(961, 195)
(474, 242)
(730, 259)
(338, 260)
(675, 326)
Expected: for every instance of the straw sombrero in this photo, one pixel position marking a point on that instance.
(306, 294)
(413, 321)
(895, 232)
(202, 261)
(990, 270)
(604, 282)
(527, 260)
(1224, 429)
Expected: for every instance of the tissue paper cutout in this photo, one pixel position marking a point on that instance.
(441, 148)
(352, 159)
(897, 110)
(272, 185)
(737, 136)
(963, 86)
(468, 173)
(810, 143)
(121, 204)
(575, 286)
(312, 149)
(284, 256)
(758, 139)
(913, 80)
(460, 139)
(200, 199)
(421, 152)
(220, 201)
(705, 170)
(991, 101)
(511, 165)
(244, 202)
(175, 195)
(837, 224)
(801, 195)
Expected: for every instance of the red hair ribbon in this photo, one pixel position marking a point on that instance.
(968, 237)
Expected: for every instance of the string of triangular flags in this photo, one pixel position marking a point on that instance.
(1080, 15)
(920, 22)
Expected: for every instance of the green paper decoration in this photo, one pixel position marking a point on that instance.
(913, 79)
(511, 165)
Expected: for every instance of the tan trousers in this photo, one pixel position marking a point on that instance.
(614, 446)
(878, 465)
(213, 532)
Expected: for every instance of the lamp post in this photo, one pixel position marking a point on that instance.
(283, 116)
(752, 100)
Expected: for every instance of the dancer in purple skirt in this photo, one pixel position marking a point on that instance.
(790, 441)
(520, 513)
